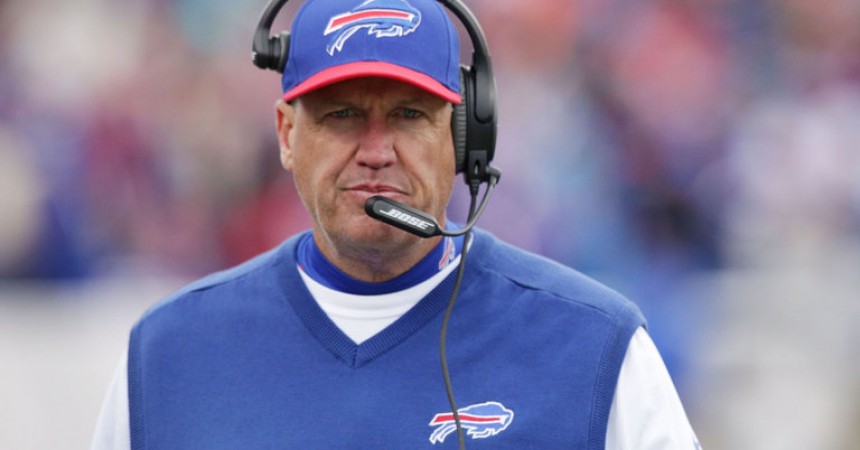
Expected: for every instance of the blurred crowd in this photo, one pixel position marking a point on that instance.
(644, 141)
(665, 132)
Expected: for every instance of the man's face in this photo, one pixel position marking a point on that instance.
(370, 136)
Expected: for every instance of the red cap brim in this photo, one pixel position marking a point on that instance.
(372, 69)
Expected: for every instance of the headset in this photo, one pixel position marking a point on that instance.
(473, 122)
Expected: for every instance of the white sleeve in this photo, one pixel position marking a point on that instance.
(112, 429)
(646, 413)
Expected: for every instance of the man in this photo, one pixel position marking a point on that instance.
(330, 341)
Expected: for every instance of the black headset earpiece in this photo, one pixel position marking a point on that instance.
(276, 56)
(459, 121)
(473, 123)
(270, 52)
(478, 109)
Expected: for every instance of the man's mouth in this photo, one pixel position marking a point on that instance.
(376, 189)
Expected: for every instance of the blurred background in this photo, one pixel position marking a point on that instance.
(700, 156)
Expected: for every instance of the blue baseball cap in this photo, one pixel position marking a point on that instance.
(413, 41)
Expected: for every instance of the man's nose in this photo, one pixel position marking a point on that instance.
(376, 148)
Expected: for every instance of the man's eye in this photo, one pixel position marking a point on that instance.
(342, 113)
(410, 113)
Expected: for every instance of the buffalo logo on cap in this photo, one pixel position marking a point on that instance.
(382, 18)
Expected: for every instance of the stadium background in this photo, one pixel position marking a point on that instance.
(700, 156)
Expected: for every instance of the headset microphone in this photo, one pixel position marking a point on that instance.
(402, 216)
(418, 222)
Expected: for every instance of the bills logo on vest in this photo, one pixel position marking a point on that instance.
(480, 421)
(382, 18)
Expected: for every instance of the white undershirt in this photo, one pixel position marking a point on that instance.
(646, 413)
(362, 316)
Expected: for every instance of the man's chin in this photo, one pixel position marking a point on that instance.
(369, 234)
(374, 232)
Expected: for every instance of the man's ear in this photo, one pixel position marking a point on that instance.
(284, 121)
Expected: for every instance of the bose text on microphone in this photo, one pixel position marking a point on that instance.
(402, 216)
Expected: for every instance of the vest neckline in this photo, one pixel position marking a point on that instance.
(336, 341)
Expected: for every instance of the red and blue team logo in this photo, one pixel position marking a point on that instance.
(480, 421)
(450, 253)
(382, 18)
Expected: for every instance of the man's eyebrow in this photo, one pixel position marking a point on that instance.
(424, 102)
(319, 103)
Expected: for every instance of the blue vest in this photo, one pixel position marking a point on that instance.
(245, 359)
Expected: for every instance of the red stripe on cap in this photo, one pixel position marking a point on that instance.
(338, 22)
(362, 69)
